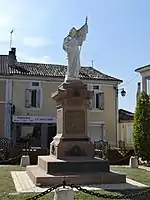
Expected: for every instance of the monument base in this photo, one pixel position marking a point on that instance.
(81, 171)
(72, 151)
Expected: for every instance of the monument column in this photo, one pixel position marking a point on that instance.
(72, 101)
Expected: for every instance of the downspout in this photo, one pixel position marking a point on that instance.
(116, 112)
(6, 110)
(8, 93)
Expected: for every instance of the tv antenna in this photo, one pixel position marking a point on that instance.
(11, 34)
(92, 63)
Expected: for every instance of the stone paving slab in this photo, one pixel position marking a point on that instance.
(23, 184)
(145, 168)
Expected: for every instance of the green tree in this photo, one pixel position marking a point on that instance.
(142, 127)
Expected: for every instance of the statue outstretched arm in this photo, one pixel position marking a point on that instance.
(82, 32)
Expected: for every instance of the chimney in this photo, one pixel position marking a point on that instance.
(138, 90)
(12, 56)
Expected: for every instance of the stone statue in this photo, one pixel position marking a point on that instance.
(72, 46)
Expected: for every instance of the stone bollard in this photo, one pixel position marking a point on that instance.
(64, 194)
(25, 160)
(133, 162)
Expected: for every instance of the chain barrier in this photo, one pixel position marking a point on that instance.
(11, 159)
(46, 192)
(117, 161)
(22, 152)
(91, 193)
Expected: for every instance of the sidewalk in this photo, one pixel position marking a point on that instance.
(144, 167)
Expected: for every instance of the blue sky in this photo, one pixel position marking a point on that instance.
(118, 40)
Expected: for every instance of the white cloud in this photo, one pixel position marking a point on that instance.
(5, 27)
(25, 58)
(24, 18)
(42, 59)
(4, 21)
(35, 42)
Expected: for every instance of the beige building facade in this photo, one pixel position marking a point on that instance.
(30, 89)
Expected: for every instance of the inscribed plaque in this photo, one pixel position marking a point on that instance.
(75, 122)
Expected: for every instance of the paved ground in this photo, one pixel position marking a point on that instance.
(23, 184)
(144, 167)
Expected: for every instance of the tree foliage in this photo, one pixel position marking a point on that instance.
(142, 127)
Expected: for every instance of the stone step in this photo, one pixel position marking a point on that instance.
(41, 178)
(72, 166)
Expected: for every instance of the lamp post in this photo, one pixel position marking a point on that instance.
(122, 91)
(123, 94)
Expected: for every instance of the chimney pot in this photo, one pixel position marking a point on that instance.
(12, 56)
(13, 49)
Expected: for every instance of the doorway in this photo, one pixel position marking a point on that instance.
(36, 142)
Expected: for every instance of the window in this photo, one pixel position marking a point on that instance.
(95, 132)
(95, 87)
(33, 96)
(129, 132)
(98, 101)
(35, 84)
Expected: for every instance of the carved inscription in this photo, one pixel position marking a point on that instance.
(75, 151)
(74, 102)
(75, 122)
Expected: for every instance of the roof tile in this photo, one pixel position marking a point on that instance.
(49, 70)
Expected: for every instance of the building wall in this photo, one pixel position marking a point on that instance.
(126, 133)
(107, 116)
(2, 106)
(47, 104)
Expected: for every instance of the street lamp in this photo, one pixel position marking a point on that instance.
(122, 91)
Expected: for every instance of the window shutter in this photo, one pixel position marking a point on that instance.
(89, 87)
(27, 98)
(101, 101)
(93, 101)
(38, 99)
(90, 103)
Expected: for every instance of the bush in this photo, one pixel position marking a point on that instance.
(142, 127)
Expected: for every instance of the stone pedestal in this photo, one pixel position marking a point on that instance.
(64, 194)
(71, 151)
(133, 163)
(72, 101)
(25, 160)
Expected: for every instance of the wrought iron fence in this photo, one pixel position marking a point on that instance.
(101, 148)
(7, 147)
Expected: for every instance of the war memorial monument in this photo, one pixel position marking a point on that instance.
(71, 151)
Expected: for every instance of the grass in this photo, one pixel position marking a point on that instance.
(139, 175)
(7, 186)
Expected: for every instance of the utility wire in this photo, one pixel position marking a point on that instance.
(129, 81)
